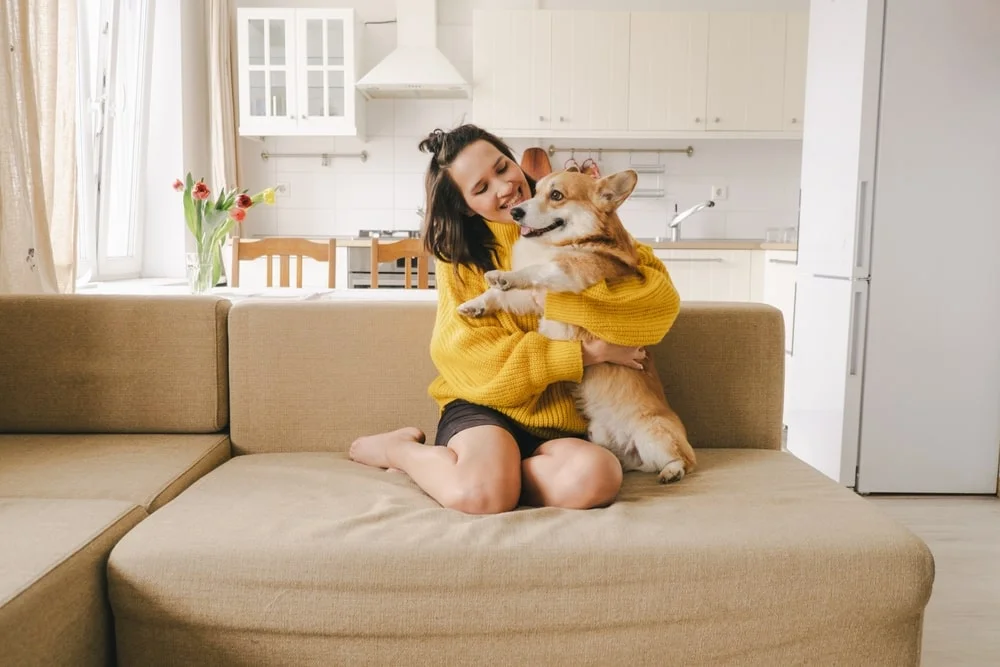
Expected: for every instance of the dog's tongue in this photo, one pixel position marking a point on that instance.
(525, 231)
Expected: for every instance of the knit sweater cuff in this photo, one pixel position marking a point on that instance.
(565, 361)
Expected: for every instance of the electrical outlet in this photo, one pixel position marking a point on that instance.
(719, 192)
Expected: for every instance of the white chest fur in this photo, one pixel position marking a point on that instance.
(530, 252)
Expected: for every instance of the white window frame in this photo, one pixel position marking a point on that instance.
(106, 98)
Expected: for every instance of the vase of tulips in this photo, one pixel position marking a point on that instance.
(210, 223)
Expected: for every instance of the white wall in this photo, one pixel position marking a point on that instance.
(762, 176)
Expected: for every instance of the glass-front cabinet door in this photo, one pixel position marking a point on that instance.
(268, 101)
(326, 72)
(297, 72)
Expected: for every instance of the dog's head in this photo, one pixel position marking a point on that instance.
(569, 206)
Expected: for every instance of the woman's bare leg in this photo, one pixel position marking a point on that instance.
(479, 472)
(571, 473)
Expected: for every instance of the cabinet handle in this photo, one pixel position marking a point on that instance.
(562, 119)
(697, 120)
(541, 118)
(695, 259)
(717, 119)
(304, 117)
(782, 261)
(855, 333)
(795, 120)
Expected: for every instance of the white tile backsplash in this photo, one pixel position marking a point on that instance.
(761, 177)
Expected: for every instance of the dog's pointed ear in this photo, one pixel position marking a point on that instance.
(615, 189)
(573, 167)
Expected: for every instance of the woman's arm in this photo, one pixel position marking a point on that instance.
(488, 363)
(635, 311)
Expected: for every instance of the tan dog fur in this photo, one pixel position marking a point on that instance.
(579, 241)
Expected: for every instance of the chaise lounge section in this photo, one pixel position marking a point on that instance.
(109, 408)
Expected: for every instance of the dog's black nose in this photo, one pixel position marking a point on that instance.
(517, 213)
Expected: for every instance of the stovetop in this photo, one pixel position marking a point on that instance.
(389, 233)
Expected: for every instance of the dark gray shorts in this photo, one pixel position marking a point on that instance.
(460, 415)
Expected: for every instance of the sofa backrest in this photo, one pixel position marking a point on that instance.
(313, 376)
(113, 364)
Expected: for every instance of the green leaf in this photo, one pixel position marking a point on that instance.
(190, 215)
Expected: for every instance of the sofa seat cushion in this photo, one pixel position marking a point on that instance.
(53, 606)
(147, 470)
(310, 558)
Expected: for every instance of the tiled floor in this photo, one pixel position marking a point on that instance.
(962, 625)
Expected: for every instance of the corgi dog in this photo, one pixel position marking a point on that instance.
(572, 238)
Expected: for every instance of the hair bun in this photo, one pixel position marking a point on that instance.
(434, 142)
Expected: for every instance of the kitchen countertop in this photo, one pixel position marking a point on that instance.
(683, 244)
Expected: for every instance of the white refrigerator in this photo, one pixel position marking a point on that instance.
(893, 381)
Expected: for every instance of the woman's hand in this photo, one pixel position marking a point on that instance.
(598, 351)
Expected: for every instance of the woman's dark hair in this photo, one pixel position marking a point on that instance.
(451, 232)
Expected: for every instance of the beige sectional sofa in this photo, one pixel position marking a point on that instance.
(174, 469)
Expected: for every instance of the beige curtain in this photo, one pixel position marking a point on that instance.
(37, 146)
(221, 26)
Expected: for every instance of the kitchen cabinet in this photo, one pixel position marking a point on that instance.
(590, 70)
(746, 71)
(297, 72)
(796, 52)
(639, 74)
(710, 275)
(531, 72)
(513, 91)
(779, 288)
(668, 71)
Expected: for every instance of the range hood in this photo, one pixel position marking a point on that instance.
(416, 68)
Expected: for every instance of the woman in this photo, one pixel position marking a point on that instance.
(509, 430)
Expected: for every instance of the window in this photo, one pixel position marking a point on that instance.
(113, 77)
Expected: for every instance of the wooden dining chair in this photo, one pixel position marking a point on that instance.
(407, 249)
(284, 248)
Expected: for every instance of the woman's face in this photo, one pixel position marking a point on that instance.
(491, 183)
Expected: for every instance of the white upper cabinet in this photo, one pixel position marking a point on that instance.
(590, 70)
(513, 91)
(668, 71)
(640, 74)
(746, 71)
(796, 48)
(297, 72)
(550, 70)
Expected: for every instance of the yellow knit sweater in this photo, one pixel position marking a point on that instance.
(502, 362)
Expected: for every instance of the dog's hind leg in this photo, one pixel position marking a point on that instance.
(664, 448)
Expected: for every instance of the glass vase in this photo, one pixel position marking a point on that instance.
(200, 272)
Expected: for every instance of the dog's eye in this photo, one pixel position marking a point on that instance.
(555, 195)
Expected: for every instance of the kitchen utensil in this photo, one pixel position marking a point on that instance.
(590, 168)
(535, 163)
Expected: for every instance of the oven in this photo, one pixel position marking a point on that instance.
(391, 275)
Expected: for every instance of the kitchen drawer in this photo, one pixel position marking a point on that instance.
(709, 275)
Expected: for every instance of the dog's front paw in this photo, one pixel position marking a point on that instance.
(473, 308)
(672, 472)
(500, 279)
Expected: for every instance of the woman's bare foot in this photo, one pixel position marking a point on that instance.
(372, 450)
